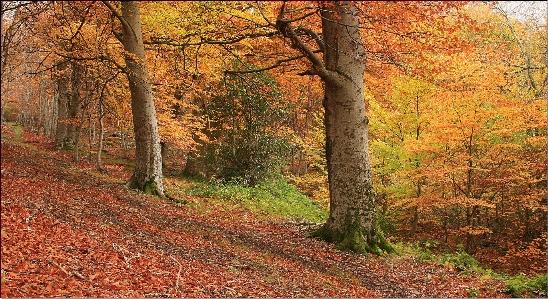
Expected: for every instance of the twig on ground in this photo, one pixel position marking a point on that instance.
(21, 292)
(73, 273)
(178, 273)
(230, 289)
(305, 224)
(156, 295)
(62, 269)
(29, 218)
(121, 251)
(82, 277)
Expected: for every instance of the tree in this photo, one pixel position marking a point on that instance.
(352, 218)
(398, 121)
(355, 36)
(147, 175)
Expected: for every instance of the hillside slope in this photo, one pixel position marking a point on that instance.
(68, 231)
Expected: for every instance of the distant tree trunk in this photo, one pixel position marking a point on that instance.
(62, 105)
(91, 128)
(352, 216)
(147, 175)
(100, 165)
(74, 107)
(77, 134)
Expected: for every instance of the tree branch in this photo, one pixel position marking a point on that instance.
(278, 63)
(99, 58)
(284, 27)
(314, 35)
(125, 24)
(204, 41)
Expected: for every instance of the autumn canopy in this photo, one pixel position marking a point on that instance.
(395, 122)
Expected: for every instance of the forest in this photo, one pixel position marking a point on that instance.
(274, 149)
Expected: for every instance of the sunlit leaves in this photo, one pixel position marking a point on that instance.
(478, 156)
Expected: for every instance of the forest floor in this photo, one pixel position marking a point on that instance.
(69, 231)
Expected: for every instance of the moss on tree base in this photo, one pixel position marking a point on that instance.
(150, 187)
(353, 240)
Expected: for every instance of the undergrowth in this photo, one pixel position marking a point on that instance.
(276, 197)
(517, 286)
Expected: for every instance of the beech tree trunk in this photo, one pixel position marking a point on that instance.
(100, 165)
(75, 102)
(352, 216)
(62, 95)
(148, 160)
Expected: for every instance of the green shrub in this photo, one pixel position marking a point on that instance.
(249, 128)
(473, 293)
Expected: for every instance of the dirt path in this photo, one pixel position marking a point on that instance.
(69, 232)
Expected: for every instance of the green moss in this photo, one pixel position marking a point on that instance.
(67, 144)
(322, 233)
(18, 131)
(354, 241)
(151, 187)
(384, 245)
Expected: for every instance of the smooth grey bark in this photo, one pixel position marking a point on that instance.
(147, 175)
(352, 216)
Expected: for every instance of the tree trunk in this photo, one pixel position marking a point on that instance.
(148, 160)
(352, 218)
(62, 105)
(100, 165)
(74, 105)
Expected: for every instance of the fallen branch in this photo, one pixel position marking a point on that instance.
(178, 273)
(82, 277)
(21, 292)
(121, 251)
(73, 273)
(156, 295)
(62, 269)
(308, 224)
(230, 289)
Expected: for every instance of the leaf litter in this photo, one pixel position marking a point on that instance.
(68, 233)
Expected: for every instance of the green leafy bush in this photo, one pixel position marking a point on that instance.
(248, 128)
(461, 261)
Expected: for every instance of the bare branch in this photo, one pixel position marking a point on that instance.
(285, 29)
(115, 12)
(264, 17)
(204, 41)
(5, 7)
(278, 63)
(125, 24)
(314, 35)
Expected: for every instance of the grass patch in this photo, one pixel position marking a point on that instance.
(517, 286)
(522, 286)
(18, 130)
(276, 198)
